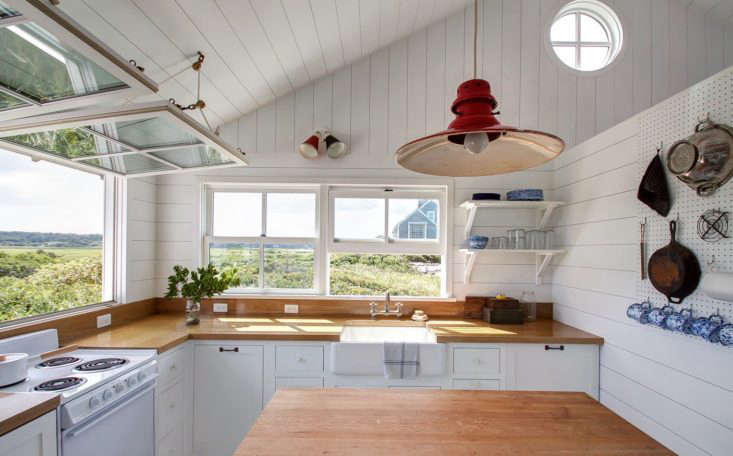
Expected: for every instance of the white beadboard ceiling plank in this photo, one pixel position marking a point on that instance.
(323, 106)
(398, 89)
(369, 18)
(660, 45)
(696, 50)
(677, 47)
(511, 65)
(252, 37)
(425, 11)
(350, 29)
(407, 17)
(623, 102)
(416, 84)
(642, 61)
(329, 33)
(378, 106)
(548, 113)
(303, 27)
(530, 64)
(215, 29)
(285, 118)
(389, 17)
(435, 78)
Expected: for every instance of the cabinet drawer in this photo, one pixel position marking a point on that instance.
(299, 359)
(172, 443)
(476, 384)
(170, 407)
(476, 362)
(171, 366)
(298, 382)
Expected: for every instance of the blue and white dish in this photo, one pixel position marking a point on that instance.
(635, 310)
(530, 194)
(658, 315)
(705, 326)
(678, 321)
(478, 242)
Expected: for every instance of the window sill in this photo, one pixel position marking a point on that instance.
(333, 298)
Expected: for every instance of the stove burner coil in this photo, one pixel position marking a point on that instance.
(61, 361)
(100, 364)
(59, 384)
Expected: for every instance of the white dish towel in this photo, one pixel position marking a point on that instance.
(400, 360)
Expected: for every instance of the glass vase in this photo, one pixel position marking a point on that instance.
(193, 310)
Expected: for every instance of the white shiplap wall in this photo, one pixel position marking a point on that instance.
(405, 91)
(140, 238)
(676, 388)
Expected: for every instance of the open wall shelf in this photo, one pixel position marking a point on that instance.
(542, 259)
(545, 208)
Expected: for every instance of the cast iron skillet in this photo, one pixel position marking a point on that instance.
(674, 270)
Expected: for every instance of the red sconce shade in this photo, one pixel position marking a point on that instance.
(475, 143)
(309, 148)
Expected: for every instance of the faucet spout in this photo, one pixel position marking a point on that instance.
(387, 300)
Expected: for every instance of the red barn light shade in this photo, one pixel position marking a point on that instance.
(309, 148)
(476, 143)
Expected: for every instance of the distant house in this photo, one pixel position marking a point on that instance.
(422, 223)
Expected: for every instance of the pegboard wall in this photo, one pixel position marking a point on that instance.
(665, 123)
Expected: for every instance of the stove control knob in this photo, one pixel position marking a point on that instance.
(119, 387)
(107, 395)
(93, 402)
(141, 376)
(131, 381)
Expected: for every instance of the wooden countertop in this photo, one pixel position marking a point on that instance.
(389, 422)
(17, 409)
(164, 331)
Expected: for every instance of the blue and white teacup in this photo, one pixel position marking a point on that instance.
(678, 321)
(705, 326)
(658, 315)
(723, 334)
(635, 310)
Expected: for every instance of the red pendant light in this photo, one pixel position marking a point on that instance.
(476, 143)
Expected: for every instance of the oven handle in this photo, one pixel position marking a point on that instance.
(117, 407)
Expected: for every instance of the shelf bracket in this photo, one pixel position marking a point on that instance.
(468, 266)
(469, 221)
(542, 261)
(545, 217)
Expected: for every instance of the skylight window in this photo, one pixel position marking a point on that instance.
(586, 35)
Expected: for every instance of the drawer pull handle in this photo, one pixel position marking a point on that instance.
(550, 347)
(234, 350)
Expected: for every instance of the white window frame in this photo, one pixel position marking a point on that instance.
(388, 245)
(424, 232)
(263, 239)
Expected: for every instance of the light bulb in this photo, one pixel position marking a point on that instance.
(476, 143)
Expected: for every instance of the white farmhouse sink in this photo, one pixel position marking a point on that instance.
(361, 348)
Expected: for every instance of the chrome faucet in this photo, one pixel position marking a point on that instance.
(373, 312)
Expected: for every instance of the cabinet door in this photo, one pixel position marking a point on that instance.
(37, 438)
(227, 396)
(554, 367)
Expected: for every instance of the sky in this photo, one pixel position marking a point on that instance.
(45, 197)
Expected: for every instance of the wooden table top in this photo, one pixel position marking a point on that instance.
(390, 422)
(17, 409)
(164, 331)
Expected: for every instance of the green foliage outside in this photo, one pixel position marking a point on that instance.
(34, 282)
(371, 274)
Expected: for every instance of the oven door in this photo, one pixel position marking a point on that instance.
(126, 429)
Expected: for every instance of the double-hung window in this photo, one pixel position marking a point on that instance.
(386, 239)
(269, 234)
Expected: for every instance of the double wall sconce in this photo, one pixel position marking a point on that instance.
(311, 147)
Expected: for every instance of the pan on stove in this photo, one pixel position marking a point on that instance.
(674, 270)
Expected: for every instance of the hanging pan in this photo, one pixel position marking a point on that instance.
(674, 270)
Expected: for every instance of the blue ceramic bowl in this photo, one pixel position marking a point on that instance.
(723, 335)
(478, 242)
(530, 194)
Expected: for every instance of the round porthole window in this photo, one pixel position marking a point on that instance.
(586, 35)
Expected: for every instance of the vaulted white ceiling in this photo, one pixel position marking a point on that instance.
(256, 50)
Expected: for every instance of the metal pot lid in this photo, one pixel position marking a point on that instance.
(682, 157)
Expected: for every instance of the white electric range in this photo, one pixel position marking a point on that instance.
(107, 395)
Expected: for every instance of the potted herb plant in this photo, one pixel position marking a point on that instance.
(201, 283)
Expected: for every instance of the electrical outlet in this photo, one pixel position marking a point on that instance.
(104, 320)
(291, 308)
(221, 307)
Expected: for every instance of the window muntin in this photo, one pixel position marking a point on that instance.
(270, 235)
(586, 35)
(55, 246)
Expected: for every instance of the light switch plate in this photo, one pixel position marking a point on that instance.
(221, 307)
(291, 308)
(104, 320)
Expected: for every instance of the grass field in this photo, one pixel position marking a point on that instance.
(64, 253)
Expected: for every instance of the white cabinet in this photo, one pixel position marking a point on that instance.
(174, 402)
(553, 367)
(37, 438)
(228, 392)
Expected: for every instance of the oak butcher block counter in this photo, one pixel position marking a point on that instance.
(388, 422)
(17, 409)
(164, 331)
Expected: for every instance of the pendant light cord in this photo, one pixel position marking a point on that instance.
(475, 35)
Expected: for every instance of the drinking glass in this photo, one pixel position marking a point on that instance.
(549, 236)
